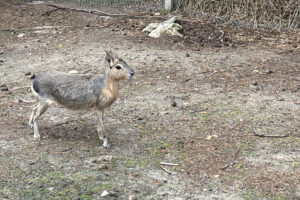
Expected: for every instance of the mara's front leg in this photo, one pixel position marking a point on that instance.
(100, 129)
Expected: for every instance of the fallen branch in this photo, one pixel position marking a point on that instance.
(169, 164)
(163, 168)
(95, 12)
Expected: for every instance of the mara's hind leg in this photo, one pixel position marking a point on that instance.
(38, 112)
(102, 136)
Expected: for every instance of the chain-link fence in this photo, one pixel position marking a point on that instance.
(113, 6)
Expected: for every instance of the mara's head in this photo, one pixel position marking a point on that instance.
(116, 68)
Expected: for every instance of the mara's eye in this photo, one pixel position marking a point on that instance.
(118, 67)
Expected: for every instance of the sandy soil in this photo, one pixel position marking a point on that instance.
(234, 132)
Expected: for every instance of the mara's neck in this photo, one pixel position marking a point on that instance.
(111, 83)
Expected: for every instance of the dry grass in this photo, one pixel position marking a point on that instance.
(285, 14)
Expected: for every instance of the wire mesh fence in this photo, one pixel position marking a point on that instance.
(115, 6)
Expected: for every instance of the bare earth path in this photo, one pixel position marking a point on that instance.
(229, 84)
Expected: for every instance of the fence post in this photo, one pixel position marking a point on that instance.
(170, 4)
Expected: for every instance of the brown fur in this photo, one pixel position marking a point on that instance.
(109, 93)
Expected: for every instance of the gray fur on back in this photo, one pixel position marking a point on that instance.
(74, 91)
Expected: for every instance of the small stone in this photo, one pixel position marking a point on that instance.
(124, 33)
(31, 163)
(1, 52)
(73, 72)
(174, 104)
(3, 85)
(114, 193)
(187, 55)
(269, 71)
(283, 89)
(1, 61)
(104, 193)
(102, 166)
(132, 197)
(4, 89)
(27, 73)
(280, 99)
(21, 35)
(255, 83)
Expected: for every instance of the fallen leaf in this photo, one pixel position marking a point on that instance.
(208, 137)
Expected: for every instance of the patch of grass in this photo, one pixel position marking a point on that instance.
(204, 117)
(280, 197)
(134, 163)
(84, 197)
(143, 132)
(253, 194)
(84, 190)
(156, 153)
(164, 12)
(28, 194)
(295, 164)
(128, 162)
(166, 144)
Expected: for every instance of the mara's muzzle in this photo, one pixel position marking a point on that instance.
(130, 75)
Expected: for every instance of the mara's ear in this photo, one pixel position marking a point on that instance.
(108, 57)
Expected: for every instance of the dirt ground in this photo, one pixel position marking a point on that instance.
(235, 132)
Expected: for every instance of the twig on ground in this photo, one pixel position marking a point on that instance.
(66, 122)
(186, 80)
(225, 167)
(51, 11)
(163, 168)
(270, 136)
(169, 164)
